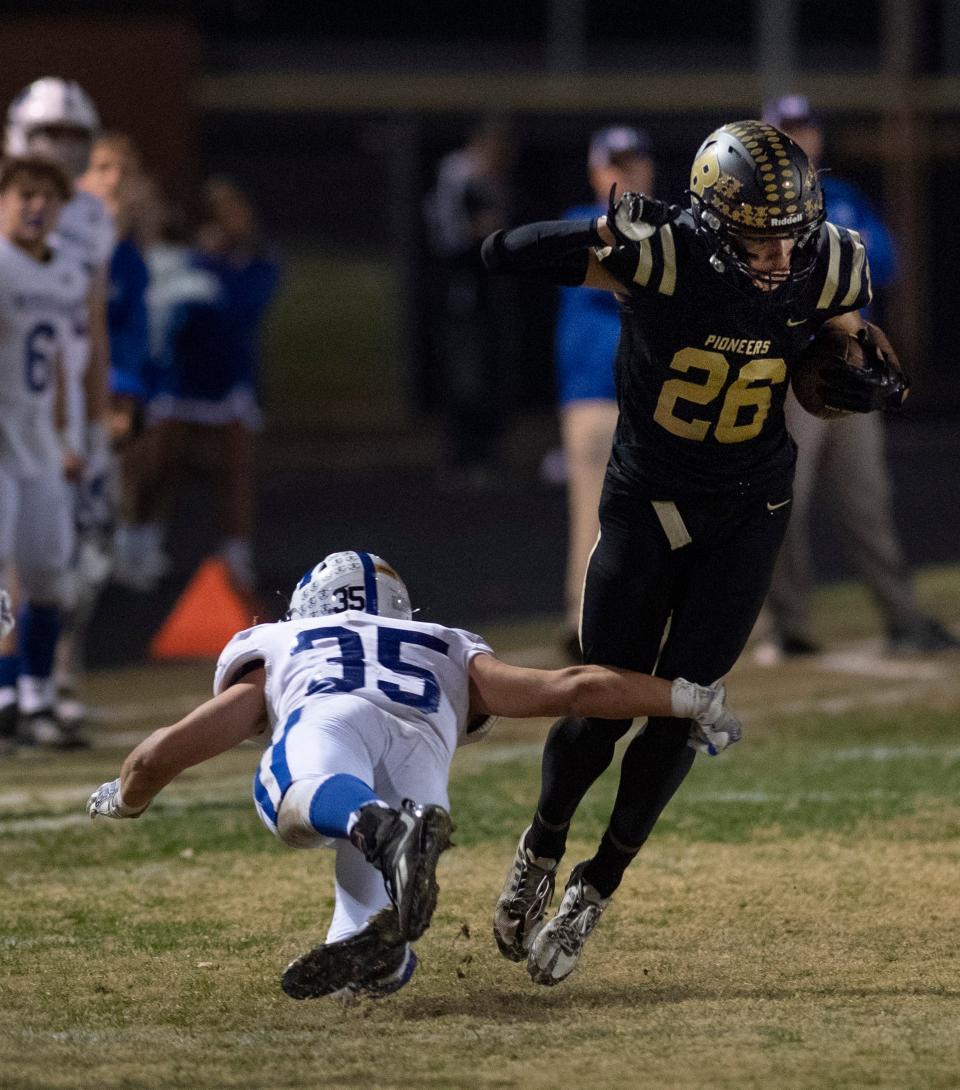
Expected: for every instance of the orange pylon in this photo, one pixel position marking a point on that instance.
(208, 612)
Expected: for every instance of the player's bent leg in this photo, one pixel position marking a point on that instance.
(316, 810)
(556, 950)
(359, 893)
(39, 626)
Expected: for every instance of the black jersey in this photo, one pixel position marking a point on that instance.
(702, 369)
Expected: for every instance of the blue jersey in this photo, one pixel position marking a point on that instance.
(127, 320)
(587, 332)
(212, 340)
(848, 207)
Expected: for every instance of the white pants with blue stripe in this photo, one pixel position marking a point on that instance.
(346, 734)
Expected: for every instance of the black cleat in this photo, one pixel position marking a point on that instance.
(375, 952)
(405, 845)
(44, 729)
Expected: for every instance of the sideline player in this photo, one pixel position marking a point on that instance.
(365, 709)
(588, 328)
(56, 119)
(41, 293)
(846, 458)
(717, 303)
(206, 410)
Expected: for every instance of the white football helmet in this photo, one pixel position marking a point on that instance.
(350, 580)
(49, 102)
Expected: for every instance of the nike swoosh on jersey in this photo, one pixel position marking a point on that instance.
(795, 321)
(774, 506)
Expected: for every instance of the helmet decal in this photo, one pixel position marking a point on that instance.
(350, 580)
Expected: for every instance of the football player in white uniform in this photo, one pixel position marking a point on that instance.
(55, 118)
(363, 708)
(41, 294)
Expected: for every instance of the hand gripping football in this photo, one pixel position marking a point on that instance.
(839, 373)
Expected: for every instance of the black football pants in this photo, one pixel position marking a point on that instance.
(710, 590)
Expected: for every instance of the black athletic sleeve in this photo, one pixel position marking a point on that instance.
(555, 251)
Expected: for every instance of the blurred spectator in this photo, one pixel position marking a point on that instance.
(847, 457)
(56, 119)
(42, 291)
(207, 408)
(161, 234)
(472, 197)
(115, 175)
(588, 329)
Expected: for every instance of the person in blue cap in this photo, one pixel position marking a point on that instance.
(845, 456)
(587, 331)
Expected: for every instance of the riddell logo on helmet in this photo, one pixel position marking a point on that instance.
(783, 221)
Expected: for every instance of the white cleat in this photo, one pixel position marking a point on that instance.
(556, 950)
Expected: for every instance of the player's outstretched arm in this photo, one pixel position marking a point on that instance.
(217, 725)
(602, 692)
(553, 251)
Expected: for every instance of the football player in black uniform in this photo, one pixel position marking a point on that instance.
(717, 303)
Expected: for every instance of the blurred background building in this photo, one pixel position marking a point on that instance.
(333, 119)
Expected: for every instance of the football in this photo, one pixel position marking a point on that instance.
(827, 347)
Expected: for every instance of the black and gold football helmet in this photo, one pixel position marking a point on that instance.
(750, 179)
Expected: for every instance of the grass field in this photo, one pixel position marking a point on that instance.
(794, 922)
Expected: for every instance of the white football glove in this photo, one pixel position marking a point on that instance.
(107, 801)
(713, 727)
(6, 614)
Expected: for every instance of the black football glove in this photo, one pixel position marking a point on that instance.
(876, 385)
(632, 217)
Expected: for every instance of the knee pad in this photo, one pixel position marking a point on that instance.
(294, 827)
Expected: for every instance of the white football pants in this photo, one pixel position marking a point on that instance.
(346, 734)
(36, 534)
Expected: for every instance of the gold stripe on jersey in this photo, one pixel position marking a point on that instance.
(644, 264)
(669, 279)
(832, 283)
(856, 270)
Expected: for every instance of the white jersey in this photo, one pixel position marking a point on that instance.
(417, 672)
(85, 234)
(40, 302)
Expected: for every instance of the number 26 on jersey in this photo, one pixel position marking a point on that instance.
(751, 390)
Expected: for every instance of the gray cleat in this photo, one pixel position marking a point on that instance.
(523, 902)
(556, 950)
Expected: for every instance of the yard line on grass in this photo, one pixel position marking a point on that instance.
(41, 824)
(881, 754)
(836, 705)
(864, 662)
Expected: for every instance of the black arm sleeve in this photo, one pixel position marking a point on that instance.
(554, 250)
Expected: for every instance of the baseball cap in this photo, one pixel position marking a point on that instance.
(610, 143)
(788, 110)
